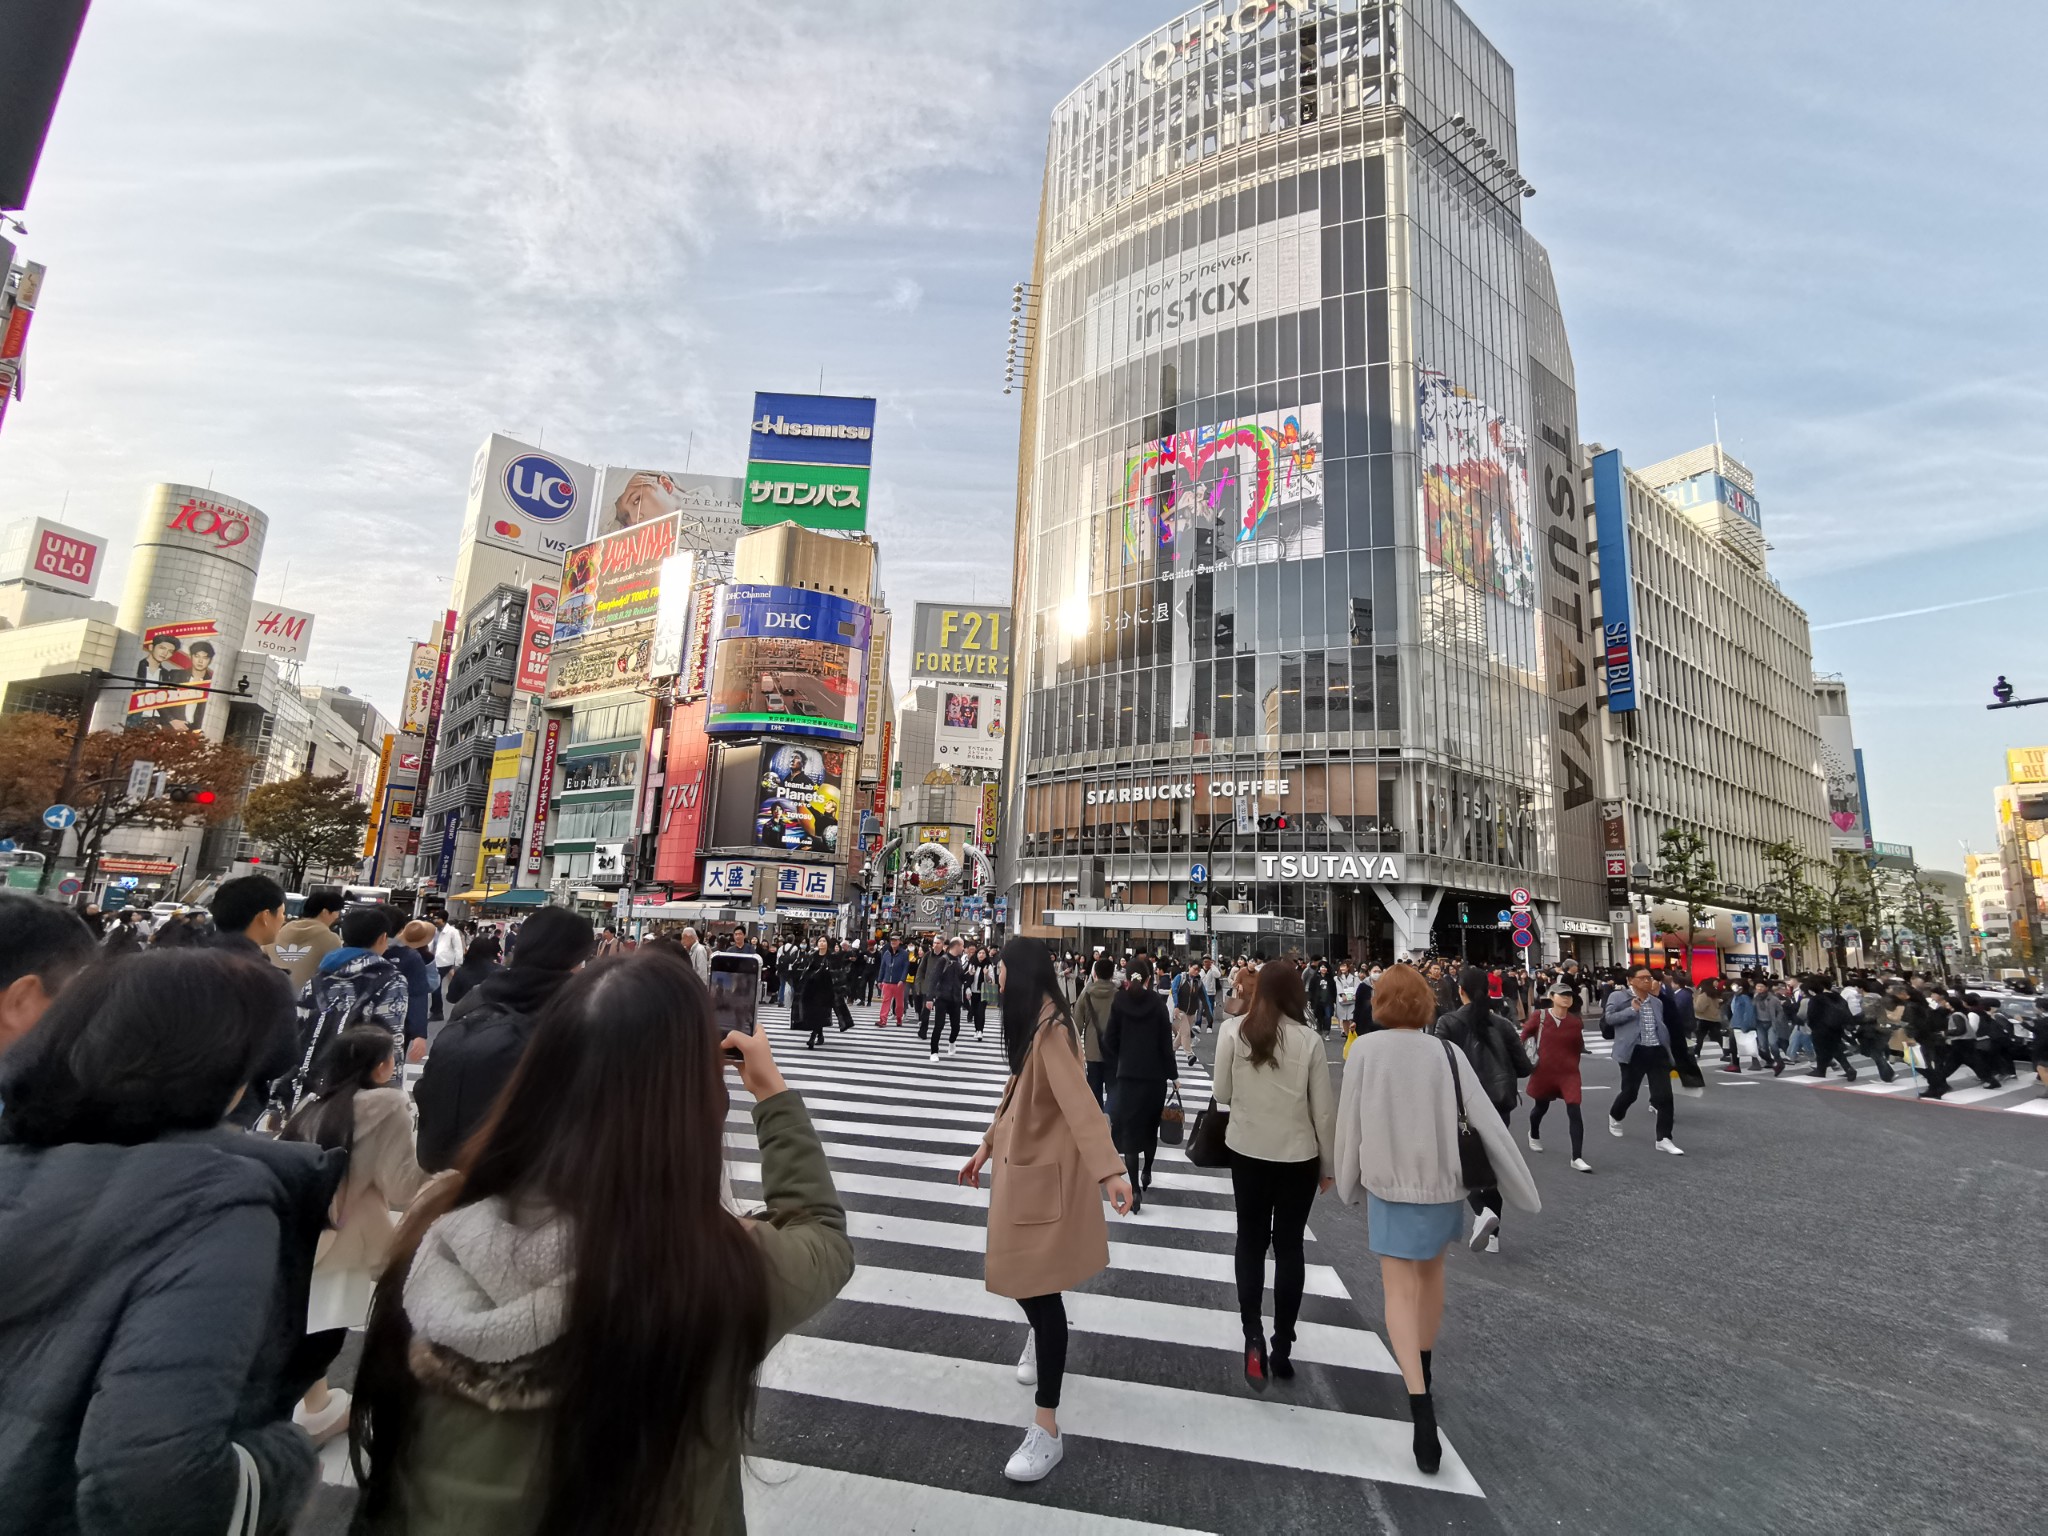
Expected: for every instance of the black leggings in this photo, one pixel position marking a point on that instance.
(1048, 1318)
(1273, 1201)
(1571, 1114)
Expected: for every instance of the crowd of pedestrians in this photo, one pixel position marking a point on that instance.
(501, 1157)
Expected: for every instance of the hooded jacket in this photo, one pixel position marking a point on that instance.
(486, 1299)
(1091, 1015)
(473, 1058)
(152, 1316)
(1492, 1045)
(300, 946)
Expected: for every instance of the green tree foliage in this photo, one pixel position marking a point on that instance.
(32, 750)
(310, 822)
(1687, 874)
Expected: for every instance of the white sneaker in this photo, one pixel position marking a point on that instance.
(1038, 1455)
(1493, 1244)
(1484, 1225)
(1581, 1165)
(1027, 1363)
(1535, 1145)
(330, 1421)
(1668, 1145)
(935, 1056)
(1613, 1126)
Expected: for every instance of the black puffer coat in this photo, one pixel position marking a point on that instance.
(152, 1316)
(472, 1058)
(1494, 1047)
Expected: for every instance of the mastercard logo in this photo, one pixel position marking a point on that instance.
(505, 530)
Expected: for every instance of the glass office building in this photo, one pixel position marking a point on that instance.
(1279, 551)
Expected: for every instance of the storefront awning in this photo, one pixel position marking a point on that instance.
(516, 896)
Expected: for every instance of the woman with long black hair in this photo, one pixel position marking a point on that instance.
(1050, 1148)
(567, 1337)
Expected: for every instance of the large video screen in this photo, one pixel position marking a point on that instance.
(798, 808)
(789, 661)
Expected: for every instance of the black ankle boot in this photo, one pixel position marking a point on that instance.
(1429, 1451)
(1280, 1360)
(1426, 1353)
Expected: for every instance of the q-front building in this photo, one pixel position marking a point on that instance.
(1299, 534)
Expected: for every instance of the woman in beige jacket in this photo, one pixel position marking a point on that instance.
(1053, 1161)
(355, 1107)
(1273, 1076)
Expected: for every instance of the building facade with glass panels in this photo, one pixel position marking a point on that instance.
(1297, 529)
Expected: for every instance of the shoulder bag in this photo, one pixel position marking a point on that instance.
(1172, 1119)
(1206, 1148)
(1474, 1166)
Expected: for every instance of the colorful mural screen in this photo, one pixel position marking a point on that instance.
(1474, 465)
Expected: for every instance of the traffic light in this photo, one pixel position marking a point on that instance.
(1464, 911)
(1194, 910)
(190, 794)
(1273, 823)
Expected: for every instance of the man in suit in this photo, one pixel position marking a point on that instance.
(1643, 1048)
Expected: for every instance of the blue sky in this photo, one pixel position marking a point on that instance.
(317, 251)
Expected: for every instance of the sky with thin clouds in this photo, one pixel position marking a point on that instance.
(314, 252)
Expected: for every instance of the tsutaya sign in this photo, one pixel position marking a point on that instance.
(1379, 868)
(1219, 789)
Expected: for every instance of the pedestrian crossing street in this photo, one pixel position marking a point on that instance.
(895, 1409)
(2020, 1095)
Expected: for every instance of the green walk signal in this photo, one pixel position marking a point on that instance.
(1194, 910)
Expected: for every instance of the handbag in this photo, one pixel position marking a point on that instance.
(1206, 1146)
(245, 1519)
(1172, 1120)
(1474, 1166)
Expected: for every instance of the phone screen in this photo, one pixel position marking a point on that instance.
(735, 991)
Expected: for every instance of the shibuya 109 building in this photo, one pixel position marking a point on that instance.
(1305, 624)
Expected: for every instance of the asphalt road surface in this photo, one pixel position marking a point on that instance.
(1831, 1315)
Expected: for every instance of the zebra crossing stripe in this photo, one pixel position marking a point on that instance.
(1262, 1431)
(783, 1496)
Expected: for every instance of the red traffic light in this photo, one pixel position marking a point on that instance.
(1279, 823)
(202, 797)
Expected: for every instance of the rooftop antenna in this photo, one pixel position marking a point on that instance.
(821, 379)
(689, 450)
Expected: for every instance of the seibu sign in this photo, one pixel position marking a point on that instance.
(1219, 789)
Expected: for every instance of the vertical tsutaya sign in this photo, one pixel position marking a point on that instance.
(1610, 514)
(544, 789)
(679, 831)
(537, 635)
(808, 461)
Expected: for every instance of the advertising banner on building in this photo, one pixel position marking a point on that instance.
(808, 461)
(696, 676)
(1848, 826)
(443, 664)
(444, 863)
(1617, 598)
(493, 849)
(707, 506)
(959, 643)
(2026, 765)
(536, 640)
(739, 880)
(179, 663)
(787, 659)
(615, 581)
(544, 792)
(881, 804)
(991, 810)
(678, 578)
(969, 730)
(52, 555)
(679, 831)
(523, 499)
(798, 807)
(375, 829)
(870, 766)
(419, 687)
(285, 633)
(606, 663)
(1475, 492)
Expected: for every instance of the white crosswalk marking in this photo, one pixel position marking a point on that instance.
(917, 1346)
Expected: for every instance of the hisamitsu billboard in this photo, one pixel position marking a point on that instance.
(813, 429)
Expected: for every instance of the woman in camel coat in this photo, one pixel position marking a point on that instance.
(1052, 1161)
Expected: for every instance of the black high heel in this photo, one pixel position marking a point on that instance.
(1429, 1451)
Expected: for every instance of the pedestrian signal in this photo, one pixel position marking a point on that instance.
(1194, 910)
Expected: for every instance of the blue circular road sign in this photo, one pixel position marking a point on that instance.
(67, 887)
(58, 817)
(1199, 874)
(1523, 937)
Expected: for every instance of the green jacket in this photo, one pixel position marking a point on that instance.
(472, 1470)
(1091, 1014)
